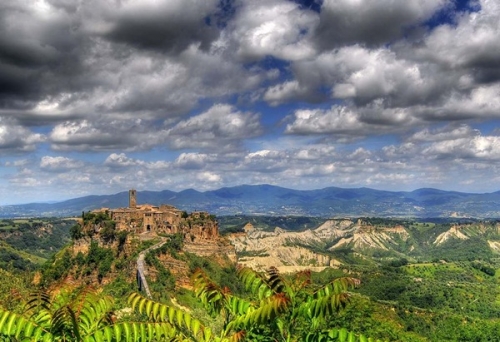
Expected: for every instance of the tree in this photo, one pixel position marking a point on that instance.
(84, 315)
(279, 309)
(76, 232)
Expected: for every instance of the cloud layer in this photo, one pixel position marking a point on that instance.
(101, 96)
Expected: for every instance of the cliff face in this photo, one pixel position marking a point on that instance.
(293, 251)
(260, 250)
(119, 242)
(372, 240)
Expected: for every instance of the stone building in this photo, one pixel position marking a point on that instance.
(165, 219)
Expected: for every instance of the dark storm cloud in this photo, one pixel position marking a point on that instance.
(370, 22)
(166, 26)
(40, 53)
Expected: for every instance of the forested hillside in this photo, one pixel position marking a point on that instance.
(393, 280)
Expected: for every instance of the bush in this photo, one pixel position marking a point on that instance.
(76, 232)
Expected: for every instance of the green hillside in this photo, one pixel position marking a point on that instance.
(435, 282)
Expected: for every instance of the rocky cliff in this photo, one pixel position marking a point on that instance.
(318, 248)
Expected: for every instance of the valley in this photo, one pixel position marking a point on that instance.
(419, 280)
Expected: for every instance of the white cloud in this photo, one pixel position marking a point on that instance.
(59, 163)
(192, 160)
(478, 148)
(272, 27)
(473, 42)
(285, 92)
(221, 127)
(446, 133)
(337, 120)
(209, 177)
(356, 94)
(119, 160)
(16, 138)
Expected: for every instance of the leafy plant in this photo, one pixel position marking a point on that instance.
(278, 309)
(83, 316)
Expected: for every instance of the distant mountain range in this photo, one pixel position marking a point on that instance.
(274, 200)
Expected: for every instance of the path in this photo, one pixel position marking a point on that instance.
(141, 276)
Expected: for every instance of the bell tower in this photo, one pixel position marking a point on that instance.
(132, 198)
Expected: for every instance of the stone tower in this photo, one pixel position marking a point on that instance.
(132, 199)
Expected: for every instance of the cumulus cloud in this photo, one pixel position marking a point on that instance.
(59, 163)
(482, 102)
(162, 25)
(362, 75)
(477, 148)
(337, 120)
(16, 138)
(193, 160)
(450, 132)
(209, 177)
(471, 43)
(221, 127)
(290, 90)
(120, 160)
(277, 28)
(370, 22)
(87, 135)
(178, 94)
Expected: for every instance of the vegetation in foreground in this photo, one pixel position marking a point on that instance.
(451, 294)
(274, 308)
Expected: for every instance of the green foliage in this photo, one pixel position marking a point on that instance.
(122, 238)
(13, 287)
(399, 262)
(76, 232)
(97, 259)
(484, 268)
(449, 287)
(472, 249)
(41, 237)
(57, 267)
(12, 260)
(107, 231)
(236, 223)
(95, 218)
(175, 242)
(278, 309)
(182, 324)
(81, 316)
(102, 220)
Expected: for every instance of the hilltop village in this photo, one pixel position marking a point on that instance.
(164, 219)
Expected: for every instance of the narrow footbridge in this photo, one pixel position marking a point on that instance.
(141, 277)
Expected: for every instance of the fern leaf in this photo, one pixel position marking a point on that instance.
(156, 309)
(20, 326)
(5, 315)
(163, 313)
(126, 329)
(195, 326)
(28, 329)
(11, 324)
(342, 335)
(117, 332)
(108, 333)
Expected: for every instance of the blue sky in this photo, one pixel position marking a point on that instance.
(97, 97)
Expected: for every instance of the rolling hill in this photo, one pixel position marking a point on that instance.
(274, 200)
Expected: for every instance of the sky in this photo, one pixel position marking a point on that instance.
(100, 96)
